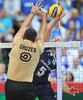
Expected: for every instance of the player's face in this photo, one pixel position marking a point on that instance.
(74, 13)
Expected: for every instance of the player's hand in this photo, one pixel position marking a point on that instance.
(59, 18)
(56, 39)
(62, 15)
(73, 91)
(43, 15)
(36, 9)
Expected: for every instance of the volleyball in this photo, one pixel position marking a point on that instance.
(55, 10)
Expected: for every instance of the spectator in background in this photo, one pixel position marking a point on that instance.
(69, 77)
(79, 5)
(67, 36)
(76, 18)
(17, 21)
(81, 60)
(26, 6)
(12, 7)
(6, 25)
(3, 76)
(64, 60)
(68, 54)
(80, 38)
(55, 32)
(77, 71)
(72, 53)
(48, 4)
(80, 35)
(72, 30)
(66, 4)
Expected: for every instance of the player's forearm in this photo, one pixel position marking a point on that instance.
(43, 26)
(52, 24)
(48, 30)
(28, 20)
(26, 24)
(47, 36)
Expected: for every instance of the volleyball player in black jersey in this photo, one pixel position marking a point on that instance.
(47, 62)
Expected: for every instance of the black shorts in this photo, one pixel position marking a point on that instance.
(19, 90)
(45, 92)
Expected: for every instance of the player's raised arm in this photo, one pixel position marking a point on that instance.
(43, 26)
(35, 10)
(50, 26)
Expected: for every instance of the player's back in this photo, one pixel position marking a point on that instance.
(24, 57)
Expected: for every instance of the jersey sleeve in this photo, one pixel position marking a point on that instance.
(40, 45)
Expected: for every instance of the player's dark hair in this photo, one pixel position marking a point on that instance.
(30, 34)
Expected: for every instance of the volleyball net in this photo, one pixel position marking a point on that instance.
(69, 59)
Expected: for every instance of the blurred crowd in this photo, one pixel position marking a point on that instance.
(14, 12)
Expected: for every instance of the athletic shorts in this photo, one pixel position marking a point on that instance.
(19, 90)
(45, 92)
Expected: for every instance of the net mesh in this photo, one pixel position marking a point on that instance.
(69, 68)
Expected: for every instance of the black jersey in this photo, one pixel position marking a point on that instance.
(47, 62)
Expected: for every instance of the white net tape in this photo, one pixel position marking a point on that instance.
(47, 44)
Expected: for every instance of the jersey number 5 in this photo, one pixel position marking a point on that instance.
(41, 71)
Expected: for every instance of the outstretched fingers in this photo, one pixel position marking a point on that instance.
(38, 4)
(41, 6)
(62, 15)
